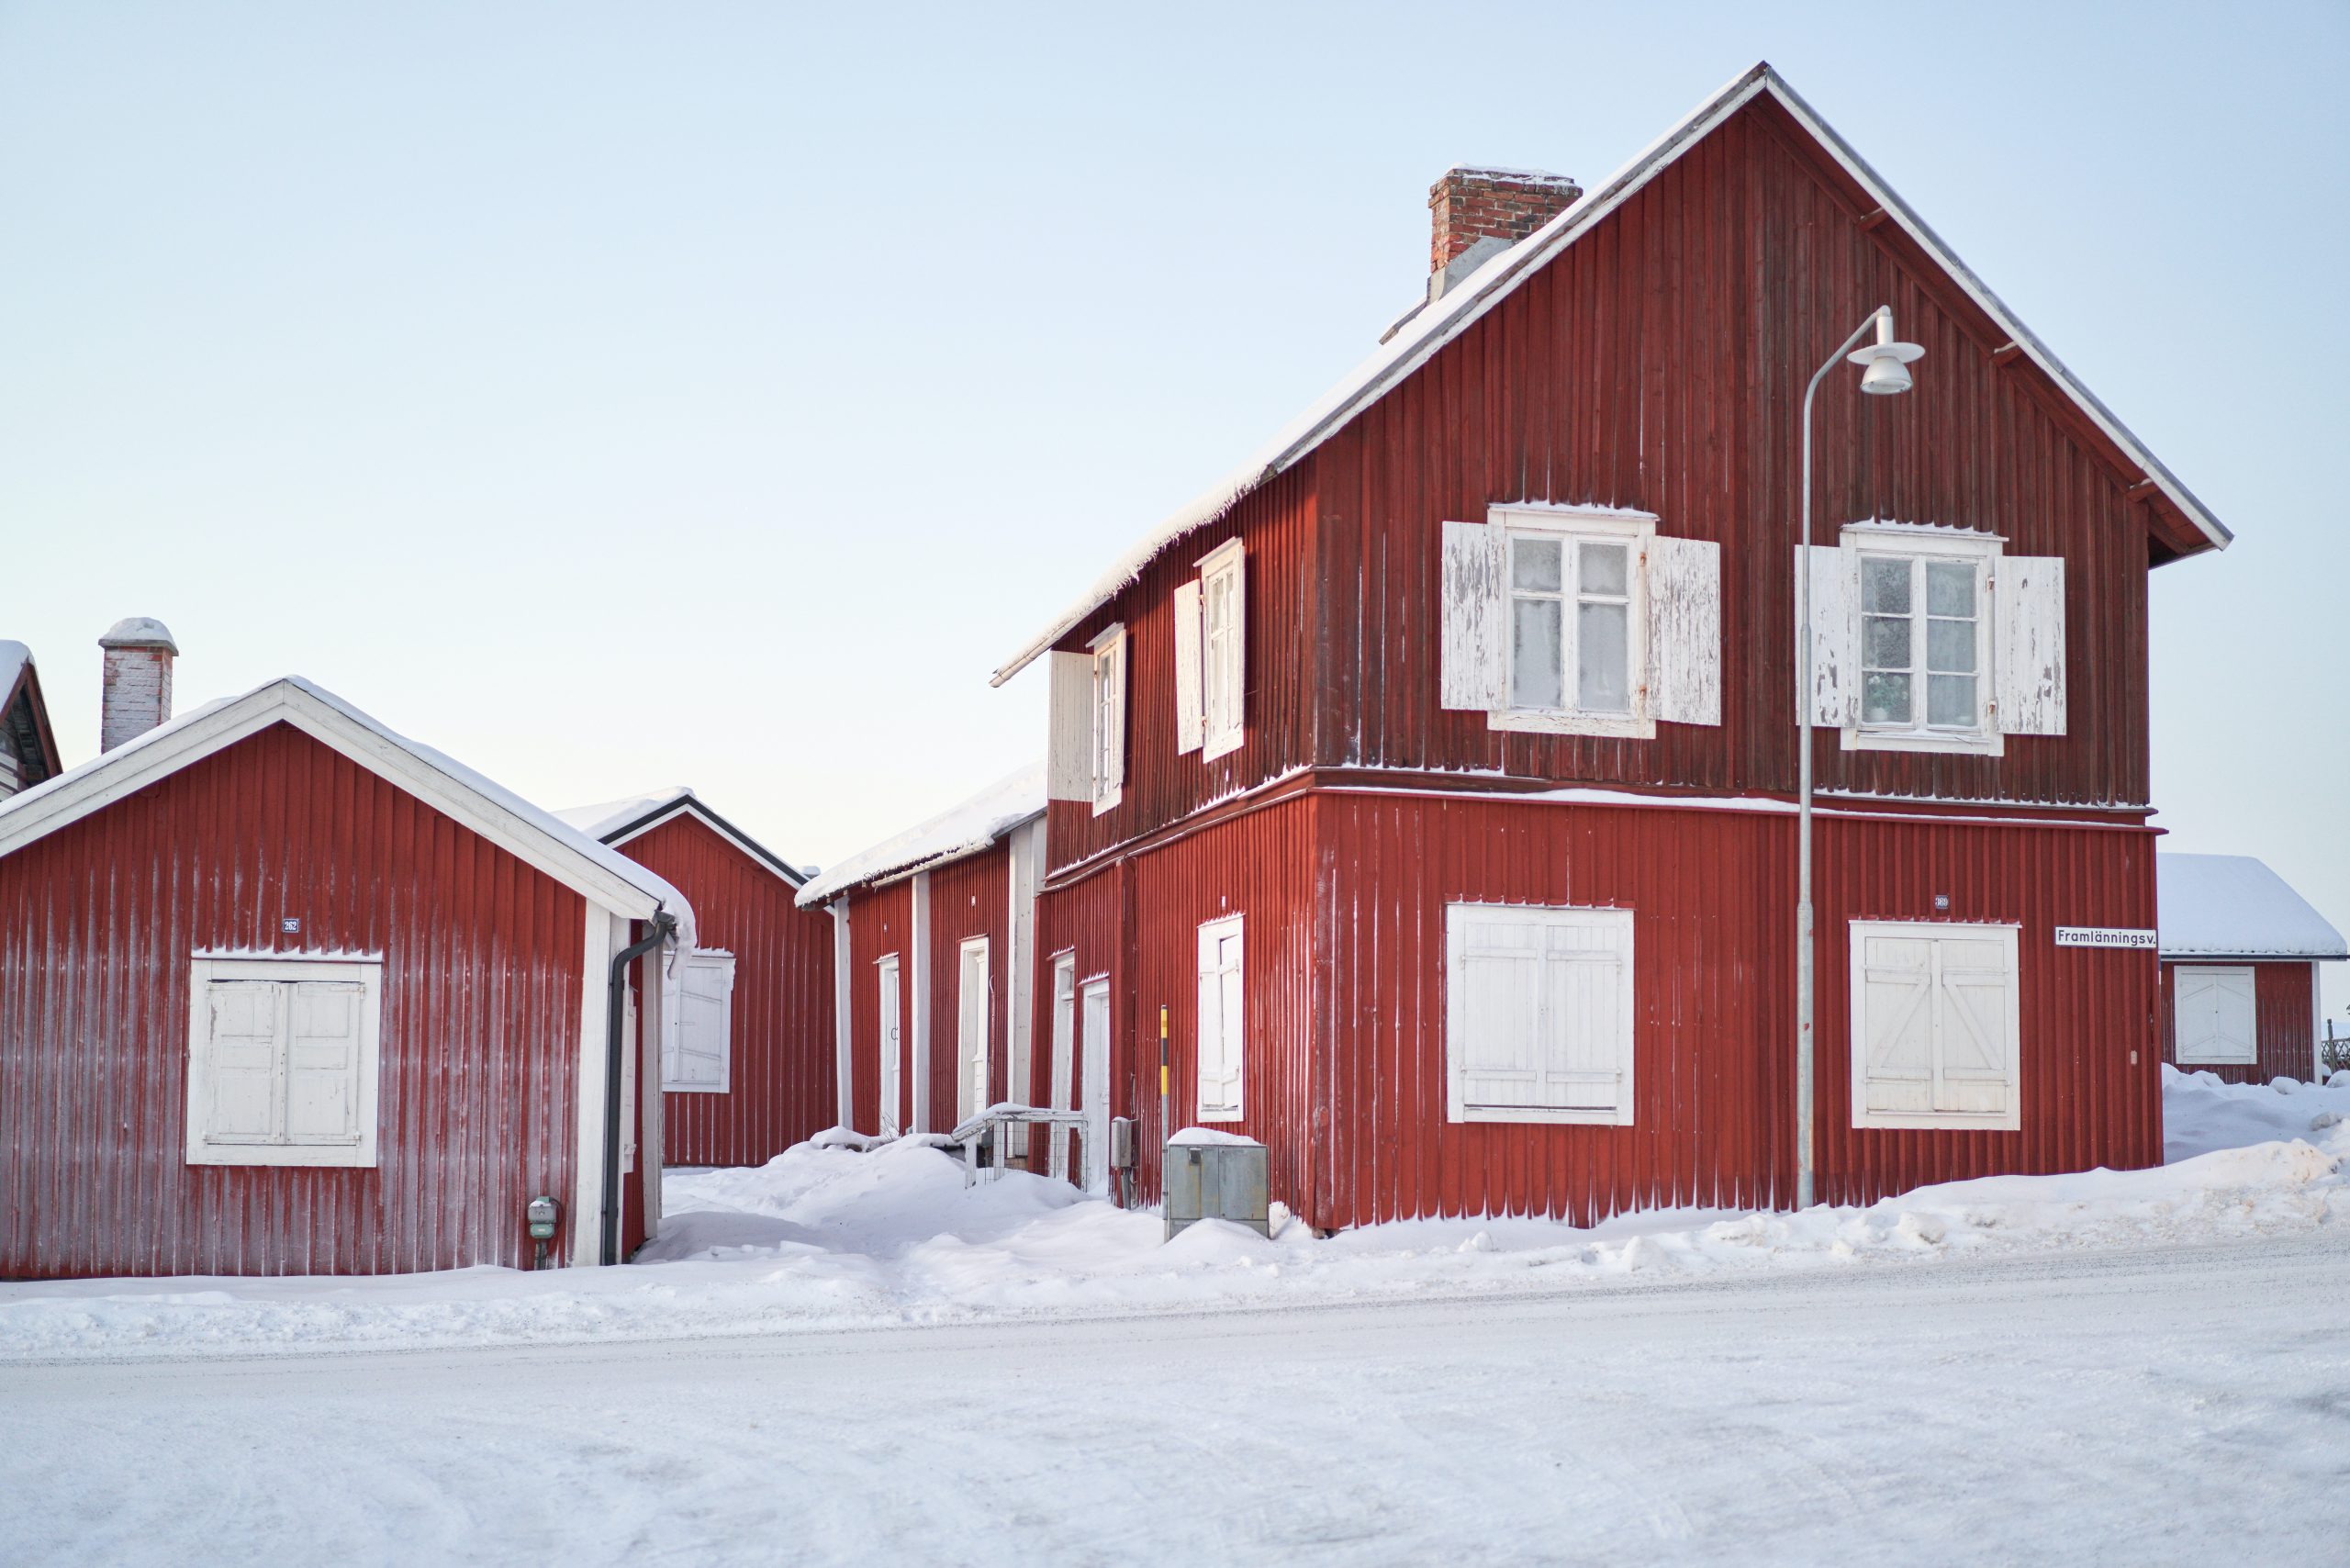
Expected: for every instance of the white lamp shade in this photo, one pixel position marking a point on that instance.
(1885, 367)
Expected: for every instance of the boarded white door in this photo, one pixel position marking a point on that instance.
(1096, 1105)
(2213, 1006)
(1064, 1052)
(971, 1029)
(891, 1047)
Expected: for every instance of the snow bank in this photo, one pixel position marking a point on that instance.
(828, 1236)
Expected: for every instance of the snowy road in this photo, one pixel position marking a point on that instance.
(2179, 1405)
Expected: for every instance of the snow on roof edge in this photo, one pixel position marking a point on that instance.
(1426, 332)
(2235, 906)
(605, 821)
(962, 829)
(601, 817)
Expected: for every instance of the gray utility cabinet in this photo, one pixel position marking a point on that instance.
(1215, 1181)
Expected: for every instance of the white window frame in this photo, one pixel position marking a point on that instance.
(672, 1056)
(1571, 526)
(356, 1152)
(2178, 1036)
(975, 1058)
(1918, 545)
(1458, 1106)
(1212, 936)
(2008, 1120)
(1223, 654)
(1106, 756)
(888, 1056)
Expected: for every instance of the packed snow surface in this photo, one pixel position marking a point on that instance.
(958, 831)
(2234, 906)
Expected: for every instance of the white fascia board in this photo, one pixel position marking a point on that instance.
(687, 803)
(1465, 304)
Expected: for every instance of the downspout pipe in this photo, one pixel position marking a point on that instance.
(664, 926)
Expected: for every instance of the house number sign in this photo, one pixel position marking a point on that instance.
(2104, 936)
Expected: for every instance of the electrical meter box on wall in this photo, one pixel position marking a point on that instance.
(1213, 1175)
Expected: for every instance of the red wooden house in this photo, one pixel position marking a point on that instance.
(935, 942)
(283, 992)
(2240, 957)
(748, 1063)
(1435, 772)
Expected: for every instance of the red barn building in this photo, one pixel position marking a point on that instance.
(1436, 772)
(935, 955)
(2240, 957)
(283, 992)
(748, 1063)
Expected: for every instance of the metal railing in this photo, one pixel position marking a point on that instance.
(985, 1133)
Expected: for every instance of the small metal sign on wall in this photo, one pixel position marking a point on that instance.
(2104, 936)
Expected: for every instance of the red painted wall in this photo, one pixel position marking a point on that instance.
(2286, 1027)
(781, 1086)
(480, 1033)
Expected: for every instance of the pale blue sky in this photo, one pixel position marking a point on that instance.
(617, 394)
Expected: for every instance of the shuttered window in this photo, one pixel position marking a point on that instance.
(1936, 1026)
(2212, 1012)
(1580, 621)
(1108, 728)
(283, 1057)
(1211, 621)
(1222, 1021)
(695, 1058)
(1537, 1014)
(1932, 639)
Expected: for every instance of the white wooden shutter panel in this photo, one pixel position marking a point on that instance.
(1974, 983)
(1112, 718)
(1228, 684)
(1834, 699)
(1068, 771)
(1685, 665)
(1471, 613)
(1222, 1021)
(1540, 1015)
(2028, 657)
(1896, 984)
(2215, 1016)
(322, 1062)
(700, 1055)
(243, 1055)
(1190, 722)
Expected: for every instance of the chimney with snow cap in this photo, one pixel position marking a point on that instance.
(138, 693)
(1480, 212)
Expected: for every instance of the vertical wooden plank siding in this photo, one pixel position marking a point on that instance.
(970, 897)
(479, 1029)
(2282, 1021)
(781, 1068)
(880, 923)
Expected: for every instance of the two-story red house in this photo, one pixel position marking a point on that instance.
(1436, 772)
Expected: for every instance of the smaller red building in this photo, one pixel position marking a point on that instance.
(748, 1065)
(27, 751)
(2240, 957)
(936, 963)
(283, 992)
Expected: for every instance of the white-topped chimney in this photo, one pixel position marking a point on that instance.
(138, 694)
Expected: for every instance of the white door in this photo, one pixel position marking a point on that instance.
(2212, 1004)
(888, 971)
(1096, 1105)
(971, 1029)
(1064, 1053)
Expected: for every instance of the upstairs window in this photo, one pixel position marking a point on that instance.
(283, 1058)
(1086, 757)
(1575, 620)
(1211, 621)
(1108, 750)
(1922, 645)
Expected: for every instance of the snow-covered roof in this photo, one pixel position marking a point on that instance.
(14, 659)
(1418, 338)
(950, 835)
(524, 830)
(617, 821)
(2232, 906)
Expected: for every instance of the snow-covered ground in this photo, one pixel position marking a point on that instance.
(2128, 1367)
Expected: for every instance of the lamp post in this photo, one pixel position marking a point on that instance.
(1885, 371)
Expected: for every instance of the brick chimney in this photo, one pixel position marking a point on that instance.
(137, 692)
(1479, 212)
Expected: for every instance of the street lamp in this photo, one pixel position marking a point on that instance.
(1885, 371)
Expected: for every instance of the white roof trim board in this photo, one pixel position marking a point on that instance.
(2232, 906)
(1467, 301)
(952, 834)
(602, 875)
(617, 821)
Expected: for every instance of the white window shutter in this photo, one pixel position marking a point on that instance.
(1191, 721)
(1471, 607)
(1068, 767)
(1685, 587)
(322, 1062)
(1834, 699)
(1540, 1015)
(1228, 684)
(1974, 981)
(1896, 986)
(2028, 657)
(242, 1054)
(1222, 1021)
(2214, 1015)
(1114, 718)
(699, 1053)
